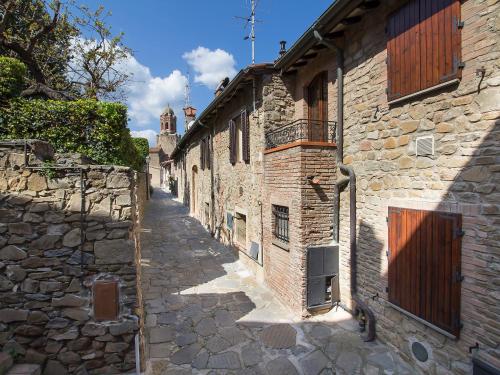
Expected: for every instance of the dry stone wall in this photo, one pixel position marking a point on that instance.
(46, 280)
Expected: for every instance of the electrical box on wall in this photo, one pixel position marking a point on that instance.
(322, 276)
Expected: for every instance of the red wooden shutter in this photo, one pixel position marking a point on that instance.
(106, 301)
(232, 142)
(245, 133)
(423, 46)
(424, 265)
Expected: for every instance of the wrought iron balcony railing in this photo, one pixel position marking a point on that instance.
(301, 130)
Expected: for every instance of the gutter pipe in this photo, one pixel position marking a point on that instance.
(360, 306)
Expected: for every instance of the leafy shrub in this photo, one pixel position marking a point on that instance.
(12, 77)
(142, 146)
(96, 129)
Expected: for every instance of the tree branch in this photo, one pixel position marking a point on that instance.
(45, 29)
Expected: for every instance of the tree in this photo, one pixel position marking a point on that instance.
(68, 49)
(39, 34)
(98, 58)
(142, 147)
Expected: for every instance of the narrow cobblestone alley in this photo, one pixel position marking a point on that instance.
(206, 314)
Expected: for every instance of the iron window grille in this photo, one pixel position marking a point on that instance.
(281, 224)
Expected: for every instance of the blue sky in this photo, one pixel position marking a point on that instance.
(171, 37)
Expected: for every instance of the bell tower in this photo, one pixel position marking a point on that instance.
(168, 121)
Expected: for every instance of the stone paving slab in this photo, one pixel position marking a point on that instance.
(206, 314)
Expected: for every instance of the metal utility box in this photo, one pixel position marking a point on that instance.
(322, 276)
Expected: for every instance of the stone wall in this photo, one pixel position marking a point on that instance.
(462, 176)
(46, 281)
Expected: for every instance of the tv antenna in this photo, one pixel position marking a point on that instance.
(187, 92)
(251, 20)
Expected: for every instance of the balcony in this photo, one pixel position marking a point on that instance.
(302, 131)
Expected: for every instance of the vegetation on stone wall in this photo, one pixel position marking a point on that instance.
(96, 129)
(12, 74)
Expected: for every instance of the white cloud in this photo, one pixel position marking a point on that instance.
(210, 66)
(148, 95)
(149, 134)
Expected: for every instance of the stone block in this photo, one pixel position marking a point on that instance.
(25, 369)
(69, 300)
(12, 252)
(72, 238)
(114, 251)
(20, 228)
(37, 182)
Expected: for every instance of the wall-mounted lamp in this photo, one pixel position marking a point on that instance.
(313, 180)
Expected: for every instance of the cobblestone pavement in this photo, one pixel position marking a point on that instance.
(206, 314)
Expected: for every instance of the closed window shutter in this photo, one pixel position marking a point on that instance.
(232, 142)
(423, 46)
(202, 154)
(424, 265)
(106, 300)
(245, 130)
(207, 152)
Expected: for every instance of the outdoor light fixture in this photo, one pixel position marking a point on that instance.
(313, 180)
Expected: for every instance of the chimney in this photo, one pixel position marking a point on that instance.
(282, 47)
(189, 115)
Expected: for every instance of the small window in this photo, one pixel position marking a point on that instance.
(281, 232)
(241, 229)
(205, 153)
(424, 265)
(106, 300)
(423, 46)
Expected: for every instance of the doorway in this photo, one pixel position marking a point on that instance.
(193, 189)
(317, 108)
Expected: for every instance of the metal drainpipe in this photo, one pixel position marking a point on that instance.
(340, 185)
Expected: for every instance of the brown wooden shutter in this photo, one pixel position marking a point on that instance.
(106, 300)
(232, 142)
(245, 133)
(424, 265)
(207, 152)
(423, 46)
(202, 154)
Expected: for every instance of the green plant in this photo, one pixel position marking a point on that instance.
(12, 77)
(95, 129)
(142, 146)
(48, 169)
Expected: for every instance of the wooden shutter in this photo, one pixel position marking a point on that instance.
(424, 265)
(232, 142)
(245, 133)
(202, 154)
(207, 152)
(423, 46)
(106, 300)
(317, 110)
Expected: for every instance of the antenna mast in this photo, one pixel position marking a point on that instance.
(252, 33)
(187, 92)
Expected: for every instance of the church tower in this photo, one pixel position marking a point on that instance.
(168, 121)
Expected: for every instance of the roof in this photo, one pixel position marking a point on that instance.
(168, 110)
(242, 76)
(339, 15)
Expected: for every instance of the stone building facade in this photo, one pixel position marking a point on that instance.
(427, 151)
(67, 303)
(457, 177)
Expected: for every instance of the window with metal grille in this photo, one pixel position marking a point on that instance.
(424, 265)
(423, 46)
(281, 224)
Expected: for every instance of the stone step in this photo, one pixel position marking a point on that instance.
(25, 369)
(6, 363)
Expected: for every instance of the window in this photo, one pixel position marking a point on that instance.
(241, 229)
(423, 46)
(106, 300)
(205, 153)
(239, 139)
(281, 233)
(424, 265)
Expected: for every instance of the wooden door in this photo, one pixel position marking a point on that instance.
(317, 105)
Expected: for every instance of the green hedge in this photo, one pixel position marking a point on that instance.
(142, 146)
(96, 129)
(12, 77)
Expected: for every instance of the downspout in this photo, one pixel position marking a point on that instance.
(360, 306)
